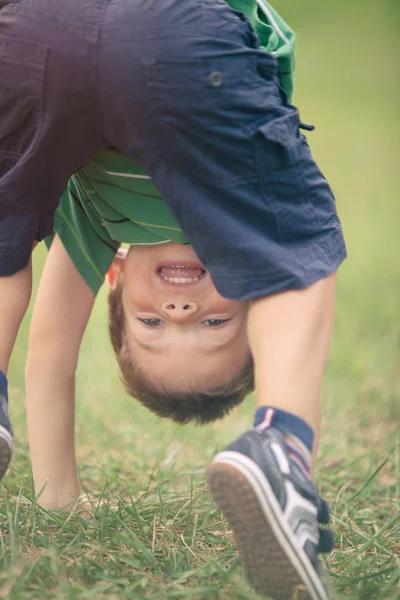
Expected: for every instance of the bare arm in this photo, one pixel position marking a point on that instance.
(62, 309)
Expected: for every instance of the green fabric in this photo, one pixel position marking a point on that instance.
(112, 199)
(275, 36)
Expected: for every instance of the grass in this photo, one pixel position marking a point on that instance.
(166, 539)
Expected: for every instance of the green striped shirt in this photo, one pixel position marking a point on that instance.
(112, 200)
(275, 36)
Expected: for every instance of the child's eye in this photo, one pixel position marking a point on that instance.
(151, 322)
(214, 322)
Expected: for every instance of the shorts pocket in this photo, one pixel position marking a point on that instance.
(282, 139)
(285, 164)
(22, 74)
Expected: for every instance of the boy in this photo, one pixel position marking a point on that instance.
(181, 347)
(185, 89)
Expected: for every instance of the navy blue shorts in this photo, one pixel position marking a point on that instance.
(183, 88)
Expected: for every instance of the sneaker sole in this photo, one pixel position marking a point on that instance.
(6, 450)
(274, 563)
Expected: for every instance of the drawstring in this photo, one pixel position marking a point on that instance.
(306, 127)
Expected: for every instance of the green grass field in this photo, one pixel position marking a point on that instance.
(166, 539)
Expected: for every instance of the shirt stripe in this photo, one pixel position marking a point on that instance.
(130, 175)
(264, 8)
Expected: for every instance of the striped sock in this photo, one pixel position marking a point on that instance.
(298, 435)
(298, 452)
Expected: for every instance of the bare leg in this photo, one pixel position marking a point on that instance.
(271, 505)
(15, 293)
(289, 337)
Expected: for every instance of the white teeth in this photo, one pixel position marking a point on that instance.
(179, 279)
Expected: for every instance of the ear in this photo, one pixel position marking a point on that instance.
(116, 269)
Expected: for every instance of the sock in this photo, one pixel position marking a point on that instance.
(3, 386)
(298, 435)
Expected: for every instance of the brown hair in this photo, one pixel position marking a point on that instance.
(182, 407)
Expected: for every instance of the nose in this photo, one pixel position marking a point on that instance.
(179, 311)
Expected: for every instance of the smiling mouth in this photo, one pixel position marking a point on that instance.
(181, 273)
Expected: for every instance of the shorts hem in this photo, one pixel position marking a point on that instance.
(308, 269)
(10, 266)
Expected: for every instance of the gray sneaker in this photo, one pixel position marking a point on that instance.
(274, 510)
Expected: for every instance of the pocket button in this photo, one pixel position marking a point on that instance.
(215, 79)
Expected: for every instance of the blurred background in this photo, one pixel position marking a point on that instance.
(347, 84)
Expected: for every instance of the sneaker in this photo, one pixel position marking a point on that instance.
(273, 509)
(6, 438)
